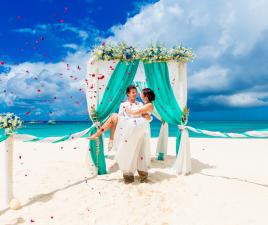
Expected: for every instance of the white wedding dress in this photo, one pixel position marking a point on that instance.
(132, 141)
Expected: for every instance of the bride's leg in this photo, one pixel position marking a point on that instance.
(113, 127)
(112, 131)
(107, 125)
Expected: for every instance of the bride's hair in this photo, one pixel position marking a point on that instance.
(147, 92)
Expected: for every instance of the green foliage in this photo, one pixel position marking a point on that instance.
(94, 115)
(184, 116)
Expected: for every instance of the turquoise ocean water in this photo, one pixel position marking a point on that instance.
(63, 128)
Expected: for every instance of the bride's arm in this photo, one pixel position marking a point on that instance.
(145, 109)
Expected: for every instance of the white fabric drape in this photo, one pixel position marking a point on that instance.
(178, 79)
(182, 163)
(6, 171)
(98, 75)
(162, 143)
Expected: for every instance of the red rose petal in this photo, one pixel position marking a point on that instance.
(101, 77)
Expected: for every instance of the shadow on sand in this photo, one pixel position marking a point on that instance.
(48, 196)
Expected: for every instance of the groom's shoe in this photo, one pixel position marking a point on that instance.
(143, 176)
(128, 178)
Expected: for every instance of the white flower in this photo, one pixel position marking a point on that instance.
(14, 123)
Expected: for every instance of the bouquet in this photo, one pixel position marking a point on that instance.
(10, 122)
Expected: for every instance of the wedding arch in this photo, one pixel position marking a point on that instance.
(112, 68)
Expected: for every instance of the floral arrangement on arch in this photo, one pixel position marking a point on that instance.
(120, 51)
(127, 53)
(10, 122)
(180, 53)
(105, 52)
(184, 116)
(154, 53)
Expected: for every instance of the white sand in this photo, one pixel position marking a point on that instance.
(228, 185)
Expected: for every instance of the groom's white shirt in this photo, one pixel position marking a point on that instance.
(132, 106)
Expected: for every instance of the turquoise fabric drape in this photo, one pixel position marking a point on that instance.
(122, 76)
(157, 77)
(3, 137)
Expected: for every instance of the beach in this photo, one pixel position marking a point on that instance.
(56, 184)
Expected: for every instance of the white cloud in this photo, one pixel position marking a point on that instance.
(52, 79)
(71, 45)
(214, 78)
(218, 31)
(210, 28)
(44, 28)
(68, 27)
(26, 30)
(34, 85)
(243, 99)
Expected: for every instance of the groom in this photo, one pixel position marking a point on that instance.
(132, 104)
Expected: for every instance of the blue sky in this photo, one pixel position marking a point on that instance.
(44, 47)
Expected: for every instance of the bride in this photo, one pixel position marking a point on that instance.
(131, 138)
